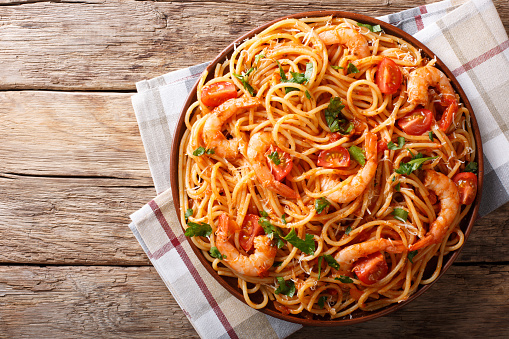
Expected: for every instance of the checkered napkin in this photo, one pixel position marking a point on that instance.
(468, 36)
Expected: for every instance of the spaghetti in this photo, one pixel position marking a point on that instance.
(325, 164)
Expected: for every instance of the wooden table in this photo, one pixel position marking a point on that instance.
(73, 168)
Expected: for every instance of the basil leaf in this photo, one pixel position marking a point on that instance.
(321, 301)
(306, 246)
(336, 67)
(375, 28)
(400, 214)
(194, 230)
(344, 279)
(357, 154)
(189, 212)
(320, 259)
(414, 164)
(352, 69)
(393, 147)
(285, 287)
(471, 167)
(348, 230)
(397, 187)
(430, 135)
(411, 255)
(320, 204)
(214, 252)
(308, 95)
(283, 219)
(199, 151)
(331, 261)
(274, 157)
(244, 80)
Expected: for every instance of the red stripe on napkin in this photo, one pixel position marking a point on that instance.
(418, 19)
(481, 58)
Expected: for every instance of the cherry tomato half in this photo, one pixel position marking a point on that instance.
(372, 268)
(381, 146)
(416, 122)
(334, 157)
(467, 186)
(250, 229)
(388, 76)
(217, 93)
(279, 171)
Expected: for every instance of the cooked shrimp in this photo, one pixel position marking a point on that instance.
(447, 193)
(429, 76)
(349, 37)
(212, 134)
(256, 149)
(351, 189)
(255, 265)
(348, 255)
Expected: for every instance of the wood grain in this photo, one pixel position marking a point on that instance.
(109, 45)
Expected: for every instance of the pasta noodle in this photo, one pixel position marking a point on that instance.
(319, 167)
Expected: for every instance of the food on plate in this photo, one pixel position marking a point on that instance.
(326, 165)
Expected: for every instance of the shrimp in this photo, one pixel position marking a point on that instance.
(428, 76)
(254, 265)
(348, 255)
(212, 134)
(351, 189)
(447, 193)
(256, 149)
(349, 37)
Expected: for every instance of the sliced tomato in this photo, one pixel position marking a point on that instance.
(381, 146)
(372, 268)
(280, 164)
(388, 76)
(416, 122)
(448, 116)
(217, 93)
(467, 186)
(333, 137)
(334, 157)
(250, 229)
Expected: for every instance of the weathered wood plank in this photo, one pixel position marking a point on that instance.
(132, 302)
(112, 44)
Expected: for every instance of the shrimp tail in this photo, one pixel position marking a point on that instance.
(282, 189)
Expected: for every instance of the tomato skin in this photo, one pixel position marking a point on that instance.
(416, 122)
(279, 171)
(250, 229)
(381, 146)
(372, 268)
(334, 157)
(388, 76)
(218, 92)
(467, 187)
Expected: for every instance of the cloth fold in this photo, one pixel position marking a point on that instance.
(467, 35)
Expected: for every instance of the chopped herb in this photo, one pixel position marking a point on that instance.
(308, 95)
(411, 255)
(258, 57)
(400, 214)
(277, 263)
(337, 67)
(264, 214)
(320, 259)
(397, 187)
(348, 230)
(309, 71)
(393, 178)
(321, 301)
(351, 68)
(199, 151)
(430, 135)
(189, 212)
(375, 28)
(210, 151)
(320, 204)
(335, 119)
(214, 252)
(306, 246)
(243, 78)
(357, 154)
(285, 287)
(283, 219)
(198, 230)
(331, 261)
(393, 147)
(471, 167)
(297, 78)
(274, 157)
(344, 279)
(414, 164)
(271, 231)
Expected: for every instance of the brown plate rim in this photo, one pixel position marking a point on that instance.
(388, 28)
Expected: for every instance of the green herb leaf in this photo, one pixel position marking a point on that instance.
(344, 279)
(430, 135)
(283, 219)
(331, 261)
(393, 147)
(264, 214)
(357, 154)
(274, 157)
(189, 212)
(320, 204)
(348, 230)
(375, 28)
(243, 78)
(320, 259)
(309, 71)
(199, 151)
(308, 95)
(398, 187)
(351, 68)
(336, 67)
(321, 301)
(277, 263)
(400, 214)
(297, 78)
(198, 230)
(214, 252)
(471, 167)
(210, 151)
(306, 246)
(281, 72)
(271, 231)
(285, 287)
(411, 255)
(414, 164)
(258, 57)
(333, 115)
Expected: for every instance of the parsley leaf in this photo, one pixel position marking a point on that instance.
(375, 28)
(297, 78)
(258, 57)
(243, 78)
(285, 287)
(189, 212)
(352, 69)
(344, 279)
(202, 229)
(331, 261)
(210, 151)
(306, 246)
(393, 147)
(320, 259)
(414, 164)
(199, 151)
(411, 255)
(277, 263)
(214, 252)
(264, 214)
(348, 230)
(397, 187)
(430, 135)
(335, 119)
(271, 231)
(471, 167)
(336, 67)
(357, 154)
(309, 71)
(400, 214)
(321, 301)
(320, 204)
(308, 95)
(274, 157)
(283, 219)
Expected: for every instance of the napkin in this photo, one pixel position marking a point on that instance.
(471, 40)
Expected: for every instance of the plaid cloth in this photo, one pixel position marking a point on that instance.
(468, 36)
